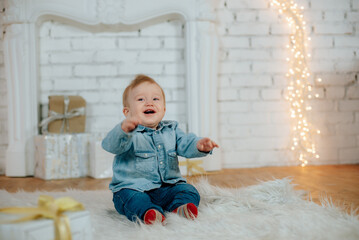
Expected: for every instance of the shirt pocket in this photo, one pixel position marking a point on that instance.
(145, 161)
(173, 160)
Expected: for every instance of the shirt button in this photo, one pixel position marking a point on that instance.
(159, 146)
(146, 154)
(161, 163)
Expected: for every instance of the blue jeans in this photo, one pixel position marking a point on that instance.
(134, 204)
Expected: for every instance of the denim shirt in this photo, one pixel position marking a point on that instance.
(145, 158)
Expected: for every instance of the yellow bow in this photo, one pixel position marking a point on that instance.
(193, 165)
(50, 208)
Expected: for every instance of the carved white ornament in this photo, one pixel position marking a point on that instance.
(14, 11)
(110, 11)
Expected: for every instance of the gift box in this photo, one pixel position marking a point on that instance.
(66, 115)
(60, 156)
(100, 161)
(191, 167)
(43, 229)
(62, 218)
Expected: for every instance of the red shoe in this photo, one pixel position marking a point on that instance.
(152, 216)
(188, 211)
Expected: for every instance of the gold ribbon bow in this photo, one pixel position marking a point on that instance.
(193, 167)
(50, 208)
(66, 116)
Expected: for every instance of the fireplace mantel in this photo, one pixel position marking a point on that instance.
(20, 22)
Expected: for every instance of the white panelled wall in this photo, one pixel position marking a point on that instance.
(254, 128)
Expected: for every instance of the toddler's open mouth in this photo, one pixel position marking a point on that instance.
(149, 111)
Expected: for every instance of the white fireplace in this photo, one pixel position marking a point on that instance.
(21, 53)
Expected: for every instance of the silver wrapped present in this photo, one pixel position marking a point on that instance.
(100, 160)
(60, 156)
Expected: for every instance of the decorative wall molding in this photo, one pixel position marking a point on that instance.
(21, 65)
(20, 21)
(110, 11)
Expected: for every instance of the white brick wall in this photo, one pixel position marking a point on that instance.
(254, 119)
(255, 126)
(99, 65)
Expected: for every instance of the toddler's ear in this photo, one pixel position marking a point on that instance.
(125, 111)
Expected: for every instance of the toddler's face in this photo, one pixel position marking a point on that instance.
(146, 104)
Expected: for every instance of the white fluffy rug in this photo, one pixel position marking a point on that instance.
(269, 210)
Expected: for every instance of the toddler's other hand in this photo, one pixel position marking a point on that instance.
(129, 124)
(206, 145)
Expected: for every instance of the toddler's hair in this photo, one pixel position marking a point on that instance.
(139, 79)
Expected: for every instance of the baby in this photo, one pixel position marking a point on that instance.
(146, 180)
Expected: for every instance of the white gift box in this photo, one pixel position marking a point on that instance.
(100, 161)
(43, 229)
(183, 168)
(59, 156)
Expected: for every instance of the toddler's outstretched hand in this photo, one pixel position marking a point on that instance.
(129, 124)
(206, 145)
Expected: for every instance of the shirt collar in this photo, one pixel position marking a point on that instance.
(140, 128)
(162, 124)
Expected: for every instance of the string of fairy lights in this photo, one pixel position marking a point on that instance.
(299, 90)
